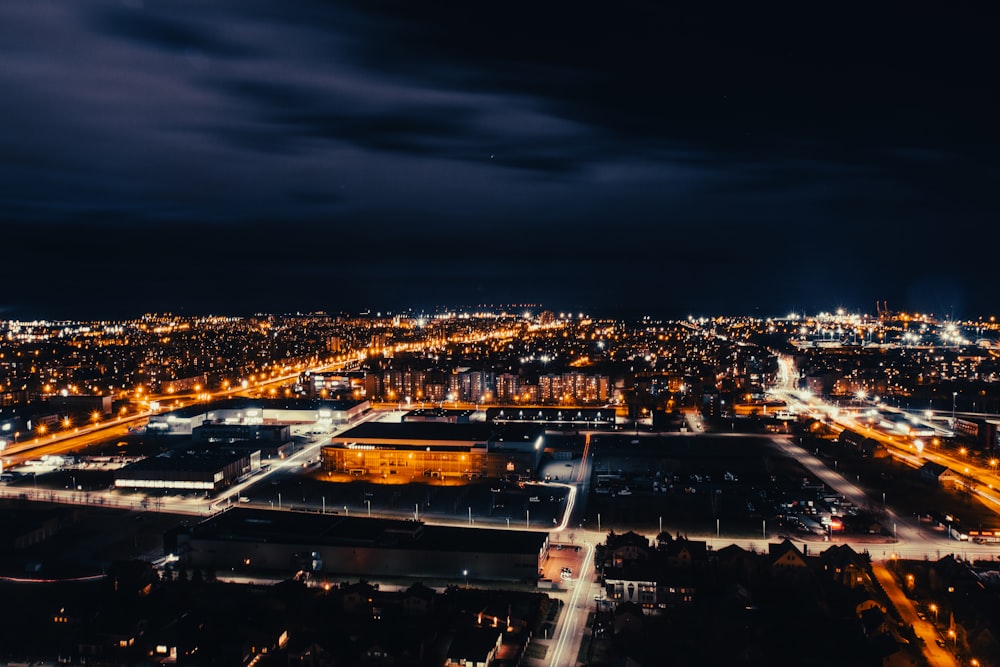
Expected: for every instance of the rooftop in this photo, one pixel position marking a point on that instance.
(199, 460)
(474, 432)
(272, 526)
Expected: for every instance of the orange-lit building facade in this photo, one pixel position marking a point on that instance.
(421, 450)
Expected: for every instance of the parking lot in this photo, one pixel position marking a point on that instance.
(739, 486)
(565, 561)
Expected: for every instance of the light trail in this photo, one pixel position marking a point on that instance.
(580, 476)
(570, 618)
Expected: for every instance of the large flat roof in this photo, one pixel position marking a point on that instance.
(187, 412)
(243, 403)
(279, 527)
(424, 431)
(193, 460)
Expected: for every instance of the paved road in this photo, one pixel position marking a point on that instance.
(936, 656)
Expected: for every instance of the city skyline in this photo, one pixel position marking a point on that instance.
(535, 479)
(255, 157)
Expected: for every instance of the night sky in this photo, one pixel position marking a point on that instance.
(240, 156)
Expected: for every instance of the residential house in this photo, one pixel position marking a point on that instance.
(682, 552)
(846, 566)
(474, 647)
(418, 600)
(785, 556)
(629, 546)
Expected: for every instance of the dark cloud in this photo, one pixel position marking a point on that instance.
(687, 158)
(147, 28)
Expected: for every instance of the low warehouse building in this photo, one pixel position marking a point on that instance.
(249, 411)
(260, 540)
(209, 470)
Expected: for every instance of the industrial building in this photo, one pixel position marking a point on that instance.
(209, 470)
(272, 440)
(437, 450)
(257, 411)
(229, 433)
(260, 540)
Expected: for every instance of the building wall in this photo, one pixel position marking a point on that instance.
(220, 478)
(421, 463)
(101, 404)
(242, 432)
(169, 423)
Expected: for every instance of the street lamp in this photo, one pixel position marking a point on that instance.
(954, 396)
(465, 573)
(369, 503)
